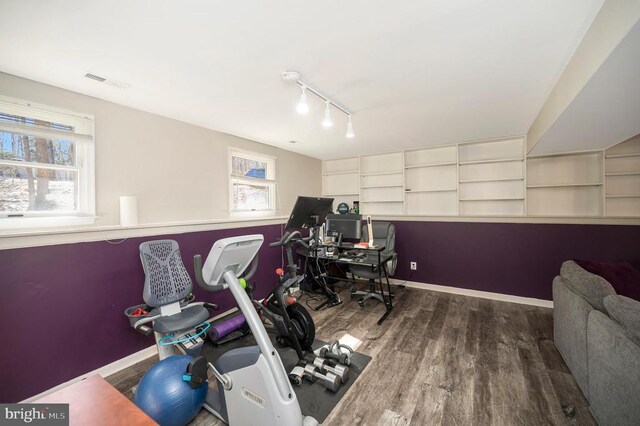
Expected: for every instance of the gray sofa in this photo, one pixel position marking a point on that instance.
(597, 332)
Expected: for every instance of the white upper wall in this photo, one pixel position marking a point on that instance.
(414, 72)
(178, 171)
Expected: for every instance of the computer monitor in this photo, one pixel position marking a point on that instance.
(309, 212)
(349, 225)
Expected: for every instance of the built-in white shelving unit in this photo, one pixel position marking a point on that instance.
(622, 179)
(565, 185)
(431, 181)
(341, 180)
(382, 184)
(491, 178)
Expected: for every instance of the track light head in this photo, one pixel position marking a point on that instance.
(303, 106)
(350, 134)
(291, 76)
(326, 122)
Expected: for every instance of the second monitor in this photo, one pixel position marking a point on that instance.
(349, 225)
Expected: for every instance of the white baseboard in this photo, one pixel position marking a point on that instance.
(475, 293)
(104, 371)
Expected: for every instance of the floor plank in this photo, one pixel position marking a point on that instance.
(443, 359)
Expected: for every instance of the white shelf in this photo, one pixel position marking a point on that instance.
(572, 201)
(490, 180)
(491, 199)
(567, 184)
(340, 178)
(417, 191)
(563, 185)
(435, 203)
(381, 186)
(499, 160)
(622, 177)
(499, 207)
(622, 174)
(573, 216)
(562, 154)
(635, 154)
(347, 172)
(418, 166)
(382, 173)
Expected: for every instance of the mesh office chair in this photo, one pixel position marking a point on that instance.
(384, 234)
(166, 285)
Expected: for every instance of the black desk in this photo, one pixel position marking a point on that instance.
(375, 258)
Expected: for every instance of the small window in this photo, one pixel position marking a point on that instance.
(46, 166)
(252, 184)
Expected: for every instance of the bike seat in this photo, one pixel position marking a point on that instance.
(183, 320)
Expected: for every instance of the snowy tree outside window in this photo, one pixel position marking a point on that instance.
(252, 182)
(46, 165)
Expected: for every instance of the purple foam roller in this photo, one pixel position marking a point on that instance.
(218, 331)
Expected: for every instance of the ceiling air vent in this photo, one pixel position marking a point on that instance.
(95, 77)
(110, 82)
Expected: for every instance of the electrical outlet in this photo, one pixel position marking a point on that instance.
(414, 266)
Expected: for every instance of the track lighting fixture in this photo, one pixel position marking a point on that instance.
(303, 105)
(350, 133)
(326, 122)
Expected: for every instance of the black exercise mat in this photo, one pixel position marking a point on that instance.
(314, 399)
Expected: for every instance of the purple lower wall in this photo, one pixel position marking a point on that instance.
(520, 259)
(61, 307)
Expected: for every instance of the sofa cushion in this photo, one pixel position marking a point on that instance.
(626, 312)
(593, 288)
(614, 372)
(624, 278)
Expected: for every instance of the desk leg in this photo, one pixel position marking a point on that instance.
(388, 301)
(332, 297)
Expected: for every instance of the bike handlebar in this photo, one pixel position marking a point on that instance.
(252, 269)
(288, 237)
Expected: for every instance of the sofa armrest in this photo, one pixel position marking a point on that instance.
(614, 372)
(570, 316)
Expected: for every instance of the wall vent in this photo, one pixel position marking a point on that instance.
(110, 82)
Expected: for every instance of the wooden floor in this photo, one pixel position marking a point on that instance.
(444, 359)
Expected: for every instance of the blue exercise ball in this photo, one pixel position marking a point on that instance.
(166, 397)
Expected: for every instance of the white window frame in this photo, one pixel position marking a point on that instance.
(85, 164)
(269, 182)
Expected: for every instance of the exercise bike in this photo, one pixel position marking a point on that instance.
(293, 325)
(252, 385)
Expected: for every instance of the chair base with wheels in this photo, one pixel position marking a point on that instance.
(372, 293)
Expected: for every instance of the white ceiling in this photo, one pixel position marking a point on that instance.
(414, 72)
(607, 109)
